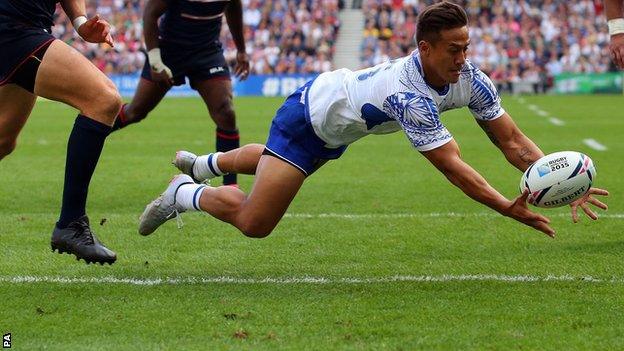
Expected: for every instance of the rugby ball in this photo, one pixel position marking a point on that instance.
(557, 179)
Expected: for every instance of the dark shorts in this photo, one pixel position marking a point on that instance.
(196, 64)
(18, 42)
(292, 137)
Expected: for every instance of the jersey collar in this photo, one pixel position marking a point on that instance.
(416, 57)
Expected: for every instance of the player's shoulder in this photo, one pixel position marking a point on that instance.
(411, 76)
(475, 74)
(470, 71)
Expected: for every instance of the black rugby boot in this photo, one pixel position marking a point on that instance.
(78, 239)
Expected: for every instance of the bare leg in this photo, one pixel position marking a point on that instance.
(147, 96)
(275, 186)
(217, 94)
(15, 107)
(66, 76)
(243, 160)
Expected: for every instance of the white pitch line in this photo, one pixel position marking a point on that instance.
(384, 215)
(308, 280)
(422, 215)
(594, 144)
(541, 113)
(356, 216)
(556, 121)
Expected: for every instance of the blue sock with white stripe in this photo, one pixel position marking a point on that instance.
(188, 196)
(205, 167)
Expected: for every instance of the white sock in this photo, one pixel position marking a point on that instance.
(188, 196)
(205, 167)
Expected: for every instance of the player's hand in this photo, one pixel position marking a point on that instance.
(519, 211)
(161, 74)
(162, 77)
(583, 203)
(96, 30)
(616, 48)
(242, 65)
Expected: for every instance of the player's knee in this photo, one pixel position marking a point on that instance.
(224, 115)
(7, 146)
(113, 102)
(255, 230)
(256, 234)
(108, 103)
(226, 109)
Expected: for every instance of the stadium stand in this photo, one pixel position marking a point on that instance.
(291, 36)
(520, 44)
(125, 18)
(288, 36)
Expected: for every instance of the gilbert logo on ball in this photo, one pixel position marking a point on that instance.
(558, 179)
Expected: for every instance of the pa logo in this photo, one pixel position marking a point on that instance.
(543, 170)
(6, 341)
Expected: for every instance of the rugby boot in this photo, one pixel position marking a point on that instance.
(79, 240)
(184, 161)
(164, 207)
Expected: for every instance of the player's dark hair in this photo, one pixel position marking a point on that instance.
(436, 18)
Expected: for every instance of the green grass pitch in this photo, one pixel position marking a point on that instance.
(378, 251)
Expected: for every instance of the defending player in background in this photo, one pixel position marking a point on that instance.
(33, 63)
(318, 121)
(615, 21)
(186, 44)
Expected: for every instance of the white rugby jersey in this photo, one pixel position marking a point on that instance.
(346, 105)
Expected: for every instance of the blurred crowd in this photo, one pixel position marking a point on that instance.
(125, 17)
(287, 36)
(523, 40)
(282, 36)
(513, 41)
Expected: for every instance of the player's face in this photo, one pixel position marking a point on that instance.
(446, 56)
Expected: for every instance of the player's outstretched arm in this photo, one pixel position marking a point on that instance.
(518, 149)
(92, 30)
(521, 152)
(447, 160)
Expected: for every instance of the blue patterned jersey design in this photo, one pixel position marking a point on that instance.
(484, 101)
(419, 117)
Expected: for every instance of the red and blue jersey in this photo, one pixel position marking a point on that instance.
(195, 23)
(35, 13)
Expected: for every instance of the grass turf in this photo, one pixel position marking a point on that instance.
(382, 179)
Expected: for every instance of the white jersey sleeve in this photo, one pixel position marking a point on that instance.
(484, 100)
(419, 117)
